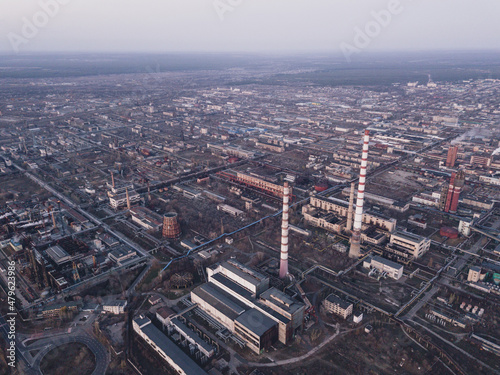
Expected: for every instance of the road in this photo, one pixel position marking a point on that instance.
(493, 371)
(300, 358)
(96, 220)
(51, 341)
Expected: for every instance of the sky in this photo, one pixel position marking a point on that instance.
(247, 25)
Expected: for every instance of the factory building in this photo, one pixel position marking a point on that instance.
(474, 274)
(249, 279)
(241, 300)
(258, 331)
(115, 307)
(191, 337)
(336, 305)
(231, 150)
(341, 208)
(170, 352)
(410, 243)
(230, 210)
(257, 182)
(58, 255)
(146, 218)
(287, 307)
(121, 254)
(393, 269)
(218, 304)
(119, 199)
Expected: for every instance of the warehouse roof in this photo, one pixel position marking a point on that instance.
(256, 322)
(58, 254)
(220, 300)
(175, 354)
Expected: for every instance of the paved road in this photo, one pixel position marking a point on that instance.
(49, 343)
(298, 359)
(71, 204)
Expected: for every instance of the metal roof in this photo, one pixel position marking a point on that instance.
(256, 322)
(175, 354)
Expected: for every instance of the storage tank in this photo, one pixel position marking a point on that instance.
(321, 186)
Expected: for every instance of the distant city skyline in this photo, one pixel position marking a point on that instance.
(247, 25)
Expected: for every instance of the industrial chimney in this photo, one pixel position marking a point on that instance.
(351, 205)
(112, 180)
(284, 233)
(128, 199)
(355, 250)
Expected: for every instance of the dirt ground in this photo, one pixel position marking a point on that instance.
(386, 350)
(78, 360)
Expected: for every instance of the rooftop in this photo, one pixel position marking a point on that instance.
(256, 322)
(408, 236)
(282, 300)
(387, 262)
(244, 272)
(164, 344)
(338, 301)
(220, 300)
(58, 254)
(199, 341)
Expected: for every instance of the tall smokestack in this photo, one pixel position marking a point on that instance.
(284, 233)
(112, 180)
(53, 220)
(351, 205)
(355, 249)
(128, 199)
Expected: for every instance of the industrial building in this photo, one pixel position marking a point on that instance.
(249, 279)
(341, 208)
(121, 254)
(258, 331)
(122, 196)
(170, 352)
(241, 300)
(259, 182)
(191, 337)
(336, 305)
(474, 274)
(411, 243)
(230, 210)
(231, 150)
(393, 269)
(146, 218)
(115, 307)
(58, 255)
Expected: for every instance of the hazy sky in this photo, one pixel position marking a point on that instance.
(248, 25)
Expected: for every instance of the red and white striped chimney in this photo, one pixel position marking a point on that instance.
(355, 249)
(351, 205)
(284, 233)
